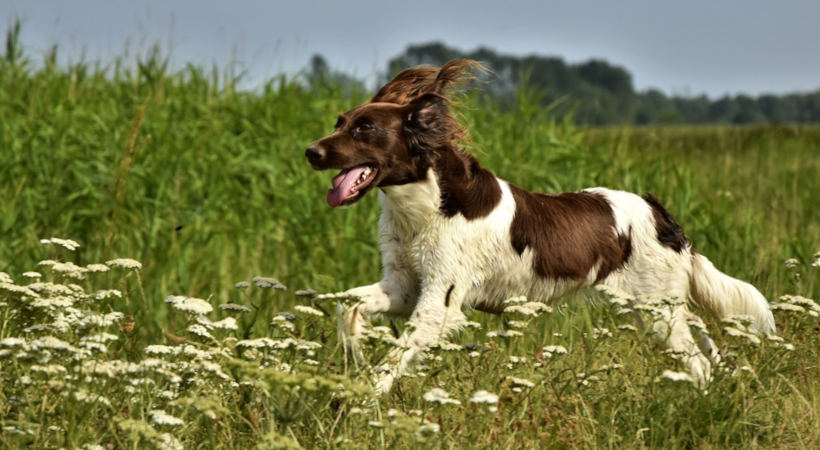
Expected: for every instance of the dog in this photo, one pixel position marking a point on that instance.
(453, 236)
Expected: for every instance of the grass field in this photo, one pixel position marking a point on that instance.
(207, 187)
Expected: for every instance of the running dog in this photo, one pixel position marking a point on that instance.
(454, 236)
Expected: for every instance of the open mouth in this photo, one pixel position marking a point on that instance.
(349, 183)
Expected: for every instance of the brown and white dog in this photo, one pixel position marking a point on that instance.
(455, 236)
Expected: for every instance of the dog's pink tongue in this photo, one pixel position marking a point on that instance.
(342, 185)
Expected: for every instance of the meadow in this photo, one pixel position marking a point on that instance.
(168, 324)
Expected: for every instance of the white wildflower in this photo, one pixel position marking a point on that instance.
(106, 294)
(91, 319)
(242, 285)
(102, 348)
(170, 442)
(787, 307)
(6, 278)
(517, 324)
(449, 346)
(428, 428)
(189, 304)
(212, 367)
(84, 396)
(269, 282)
(677, 376)
(124, 263)
(613, 292)
(601, 333)
(52, 302)
(52, 289)
(555, 350)
(474, 354)
(51, 369)
(471, 324)
(791, 263)
(731, 331)
(305, 293)
(161, 417)
(375, 424)
(517, 359)
(200, 331)
(627, 327)
(738, 320)
(609, 367)
(519, 309)
(257, 343)
(437, 395)
(97, 268)
(66, 243)
(807, 303)
(13, 342)
(32, 275)
(307, 345)
(514, 300)
(52, 343)
(161, 350)
(521, 382)
(308, 310)
(484, 397)
(504, 333)
(653, 310)
(774, 338)
(18, 290)
(234, 307)
(228, 323)
(311, 362)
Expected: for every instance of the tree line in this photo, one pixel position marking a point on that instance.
(597, 92)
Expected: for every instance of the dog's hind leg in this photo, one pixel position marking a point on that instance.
(672, 328)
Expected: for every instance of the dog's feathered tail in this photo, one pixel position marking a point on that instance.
(725, 296)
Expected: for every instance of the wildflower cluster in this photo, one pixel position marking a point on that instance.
(66, 344)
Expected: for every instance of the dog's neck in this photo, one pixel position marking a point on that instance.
(455, 183)
(412, 205)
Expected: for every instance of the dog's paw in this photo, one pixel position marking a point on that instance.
(383, 383)
(351, 325)
(701, 370)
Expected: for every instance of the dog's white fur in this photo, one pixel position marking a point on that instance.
(428, 257)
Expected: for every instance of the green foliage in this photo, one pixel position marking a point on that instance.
(596, 92)
(207, 186)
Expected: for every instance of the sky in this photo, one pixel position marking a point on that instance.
(691, 47)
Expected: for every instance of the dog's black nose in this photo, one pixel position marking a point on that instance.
(314, 154)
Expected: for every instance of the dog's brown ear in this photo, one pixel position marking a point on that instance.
(407, 85)
(456, 72)
(411, 83)
(428, 124)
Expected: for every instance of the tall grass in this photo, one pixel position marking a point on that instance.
(207, 186)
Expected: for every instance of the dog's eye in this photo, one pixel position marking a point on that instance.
(363, 127)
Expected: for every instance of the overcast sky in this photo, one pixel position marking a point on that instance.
(682, 47)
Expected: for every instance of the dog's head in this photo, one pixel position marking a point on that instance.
(392, 139)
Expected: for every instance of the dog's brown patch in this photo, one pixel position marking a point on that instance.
(466, 187)
(568, 233)
(447, 297)
(669, 232)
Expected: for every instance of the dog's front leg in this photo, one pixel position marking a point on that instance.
(395, 296)
(437, 314)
